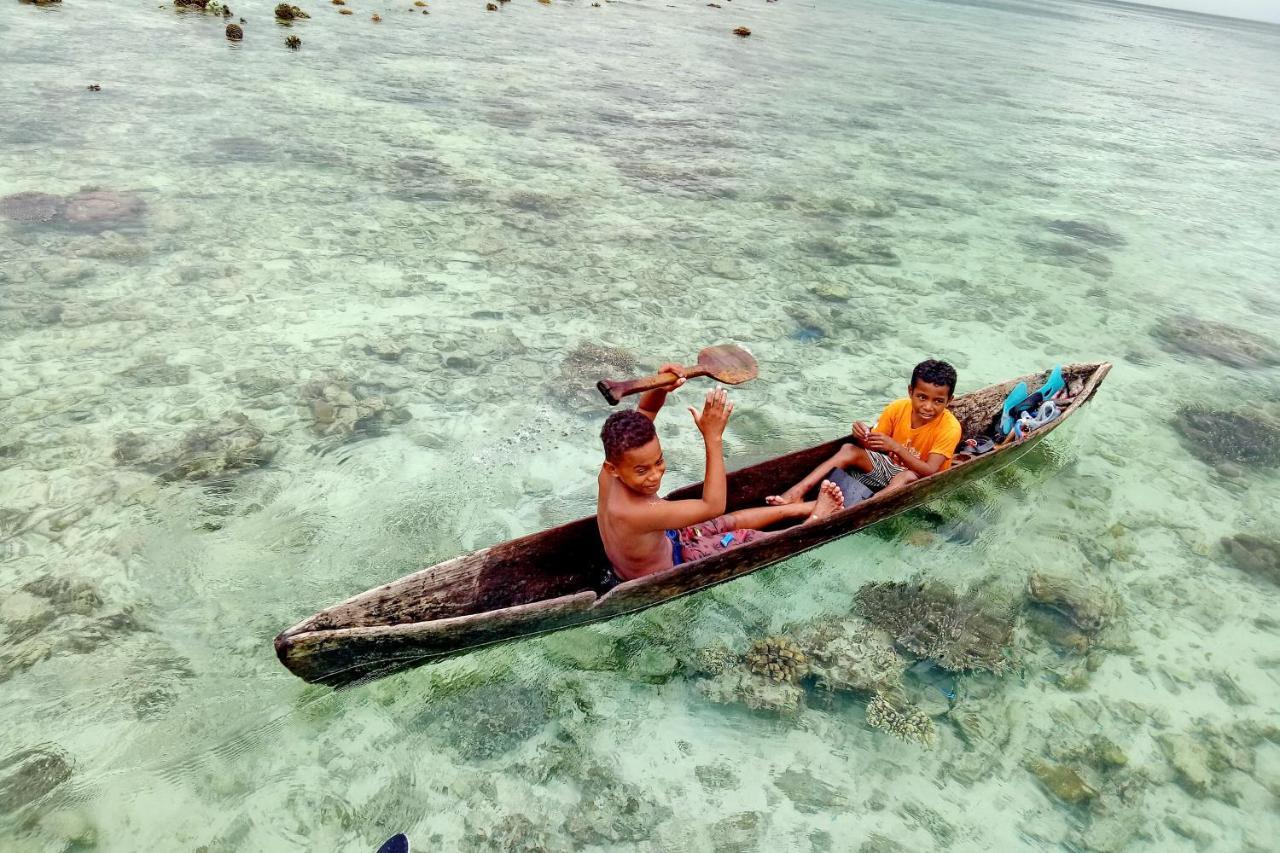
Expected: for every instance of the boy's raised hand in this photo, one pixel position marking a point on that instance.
(715, 414)
(676, 369)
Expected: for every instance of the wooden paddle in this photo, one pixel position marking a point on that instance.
(725, 363)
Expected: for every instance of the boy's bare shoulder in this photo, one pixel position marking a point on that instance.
(616, 500)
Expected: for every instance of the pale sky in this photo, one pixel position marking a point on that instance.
(1259, 10)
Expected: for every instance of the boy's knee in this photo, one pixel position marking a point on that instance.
(847, 453)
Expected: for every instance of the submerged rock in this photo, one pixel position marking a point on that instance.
(587, 364)
(341, 408)
(1097, 234)
(385, 349)
(611, 812)
(960, 633)
(754, 691)
(103, 208)
(1062, 782)
(1090, 604)
(29, 774)
(809, 794)
(234, 443)
(213, 7)
(32, 207)
(24, 615)
(851, 655)
(1219, 436)
(839, 252)
(514, 833)
(1258, 556)
(652, 663)
(235, 32)
(488, 720)
(1219, 341)
(1190, 762)
(1070, 254)
(1097, 751)
(1058, 630)
(285, 12)
(716, 777)
(72, 828)
(158, 372)
(586, 648)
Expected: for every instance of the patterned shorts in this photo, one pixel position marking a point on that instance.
(882, 471)
(712, 537)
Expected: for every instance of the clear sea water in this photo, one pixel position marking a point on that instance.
(431, 214)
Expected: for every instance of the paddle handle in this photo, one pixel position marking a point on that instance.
(614, 391)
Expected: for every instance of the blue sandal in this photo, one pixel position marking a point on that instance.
(1053, 386)
(1009, 411)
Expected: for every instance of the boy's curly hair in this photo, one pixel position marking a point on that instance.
(625, 430)
(935, 373)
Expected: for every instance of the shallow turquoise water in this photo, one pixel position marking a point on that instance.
(474, 195)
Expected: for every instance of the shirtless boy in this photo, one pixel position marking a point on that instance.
(915, 437)
(643, 533)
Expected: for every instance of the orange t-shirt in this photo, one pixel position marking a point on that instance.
(940, 435)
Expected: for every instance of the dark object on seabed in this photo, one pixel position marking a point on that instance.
(397, 843)
(293, 42)
(235, 32)
(1247, 437)
(1256, 555)
(95, 87)
(552, 579)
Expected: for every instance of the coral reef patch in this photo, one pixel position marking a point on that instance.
(901, 720)
(32, 207)
(231, 444)
(1222, 342)
(1216, 436)
(586, 364)
(961, 633)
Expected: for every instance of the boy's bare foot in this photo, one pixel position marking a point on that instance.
(787, 497)
(830, 500)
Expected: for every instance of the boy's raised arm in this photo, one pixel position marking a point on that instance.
(651, 403)
(670, 515)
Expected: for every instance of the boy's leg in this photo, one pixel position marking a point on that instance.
(730, 530)
(900, 479)
(760, 517)
(848, 456)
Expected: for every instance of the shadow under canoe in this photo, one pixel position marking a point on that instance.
(555, 579)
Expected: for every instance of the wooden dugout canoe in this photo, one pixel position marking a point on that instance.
(554, 579)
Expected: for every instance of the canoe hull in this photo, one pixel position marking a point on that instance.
(366, 637)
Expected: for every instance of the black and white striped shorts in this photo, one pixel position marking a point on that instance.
(882, 471)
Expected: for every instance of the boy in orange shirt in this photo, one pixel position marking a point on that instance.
(915, 437)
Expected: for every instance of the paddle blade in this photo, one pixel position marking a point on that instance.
(728, 363)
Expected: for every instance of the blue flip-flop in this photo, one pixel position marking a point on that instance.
(1054, 385)
(1008, 412)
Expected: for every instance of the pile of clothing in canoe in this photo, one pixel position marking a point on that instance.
(1022, 412)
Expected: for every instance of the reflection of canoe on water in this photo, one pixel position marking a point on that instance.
(555, 579)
